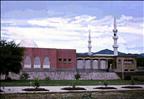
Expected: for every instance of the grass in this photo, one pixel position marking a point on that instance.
(66, 82)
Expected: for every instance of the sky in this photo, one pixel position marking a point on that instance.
(65, 24)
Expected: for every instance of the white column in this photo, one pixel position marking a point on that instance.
(95, 64)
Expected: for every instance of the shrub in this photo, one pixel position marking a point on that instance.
(127, 78)
(138, 78)
(24, 76)
(77, 76)
(8, 78)
(36, 83)
(105, 83)
(74, 83)
(132, 81)
(47, 78)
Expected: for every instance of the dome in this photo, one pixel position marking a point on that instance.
(27, 43)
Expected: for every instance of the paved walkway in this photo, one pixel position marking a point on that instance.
(58, 88)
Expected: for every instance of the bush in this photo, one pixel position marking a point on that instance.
(8, 78)
(138, 78)
(77, 76)
(105, 83)
(132, 81)
(127, 78)
(36, 83)
(47, 78)
(24, 76)
(74, 83)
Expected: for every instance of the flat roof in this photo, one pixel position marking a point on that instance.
(103, 55)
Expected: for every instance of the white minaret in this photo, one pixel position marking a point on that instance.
(115, 37)
(89, 43)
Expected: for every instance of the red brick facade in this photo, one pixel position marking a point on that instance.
(58, 58)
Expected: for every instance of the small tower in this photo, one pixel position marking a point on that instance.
(115, 37)
(89, 44)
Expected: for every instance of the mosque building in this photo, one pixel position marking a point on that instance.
(64, 63)
(107, 62)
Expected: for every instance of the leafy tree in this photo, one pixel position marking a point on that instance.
(140, 62)
(11, 57)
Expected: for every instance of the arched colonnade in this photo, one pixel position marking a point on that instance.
(93, 64)
(36, 62)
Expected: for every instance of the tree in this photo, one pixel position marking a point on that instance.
(77, 77)
(11, 56)
(140, 62)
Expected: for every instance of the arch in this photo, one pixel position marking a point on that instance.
(95, 64)
(46, 63)
(88, 64)
(27, 62)
(103, 64)
(37, 63)
(80, 64)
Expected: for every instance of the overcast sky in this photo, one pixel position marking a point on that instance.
(64, 24)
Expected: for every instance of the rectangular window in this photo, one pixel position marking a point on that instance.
(60, 59)
(128, 61)
(64, 59)
(131, 69)
(126, 70)
(69, 60)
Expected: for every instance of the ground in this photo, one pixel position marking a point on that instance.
(14, 90)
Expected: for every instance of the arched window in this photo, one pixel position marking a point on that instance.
(46, 63)
(27, 62)
(103, 64)
(87, 64)
(80, 64)
(95, 64)
(37, 63)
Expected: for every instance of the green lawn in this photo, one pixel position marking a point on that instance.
(66, 82)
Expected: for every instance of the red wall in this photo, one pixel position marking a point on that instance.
(66, 54)
(54, 55)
